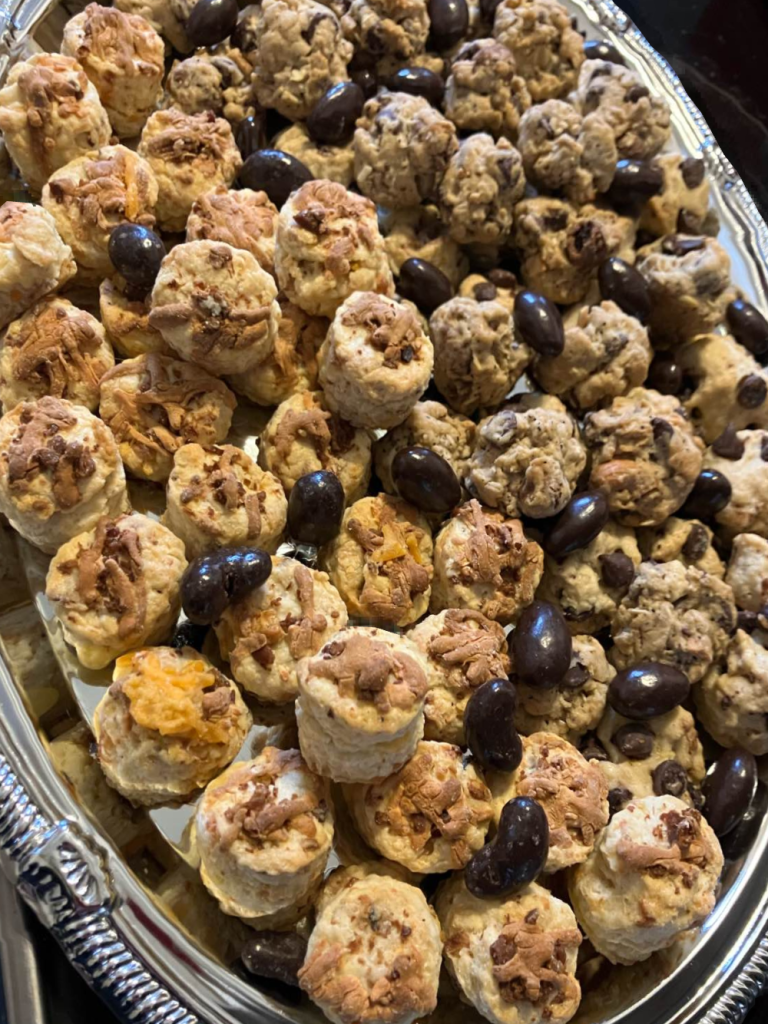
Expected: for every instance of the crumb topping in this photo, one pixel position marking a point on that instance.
(680, 845)
(111, 574)
(529, 963)
(471, 643)
(223, 484)
(55, 347)
(391, 329)
(370, 671)
(329, 435)
(112, 185)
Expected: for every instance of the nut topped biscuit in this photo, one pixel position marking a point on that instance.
(333, 163)
(241, 218)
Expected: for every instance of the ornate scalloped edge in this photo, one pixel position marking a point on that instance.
(734, 1004)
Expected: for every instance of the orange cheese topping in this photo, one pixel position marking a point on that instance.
(397, 546)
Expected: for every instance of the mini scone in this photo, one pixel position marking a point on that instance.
(606, 354)
(478, 356)
(565, 152)
(402, 149)
(393, 31)
(546, 46)
(153, 405)
(264, 830)
(34, 260)
(746, 470)
(645, 456)
(513, 959)
(303, 436)
(291, 366)
(50, 113)
(485, 563)
(419, 232)
(218, 497)
(676, 614)
(126, 321)
(328, 246)
(571, 790)
(60, 471)
(640, 119)
(682, 204)
(747, 574)
(375, 362)
(54, 349)
(374, 954)
(527, 457)
(464, 649)
(267, 632)
(124, 58)
(689, 284)
(683, 540)
(653, 875)
(575, 706)
(428, 425)
(91, 195)
(732, 700)
(189, 154)
(116, 587)
(588, 583)
(431, 816)
(241, 218)
(360, 708)
(334, 163)
(168, 724)
(484, 90)
(381, 560)
(215, 306)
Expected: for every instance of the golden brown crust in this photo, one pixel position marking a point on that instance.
(474, 644)
(529, 964)
(392, 329)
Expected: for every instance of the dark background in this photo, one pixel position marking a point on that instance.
(719, 48)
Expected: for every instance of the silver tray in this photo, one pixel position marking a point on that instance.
(116, 892)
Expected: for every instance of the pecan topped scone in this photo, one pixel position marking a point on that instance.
(167, 725)
(653, 875)
(218, 497)
(463, 649)
(375, 362)
(240, 217)
(546, 47)
(485, 563)
(189, 154)
(303, 436)
(126, 321)
(732, 699)
(381, 560)
(267, 632)
(393, 30)
(153, 405)
(50, 113)
(645, 456)
(374, 953)
(215, 306)
(431, 816)
(124, 58)
(513, 959)
(91, 195)
(484, 90)
(54, 349)
(328, 246)
(34, 259)
(116, 587)
(60, 471)
(571, 790)
(360, 708)
(264, 831)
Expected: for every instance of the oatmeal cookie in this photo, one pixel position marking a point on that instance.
(218, 81)
(498, 284)
(684, 540)
(484, 91)
(333, 163)
(546, 47)
(747, 573)
(732, 700)
(166, 18)
(418, 231)
(240, 217)
(482, 182)
(683, 203)
(388, 30)
(746, 468)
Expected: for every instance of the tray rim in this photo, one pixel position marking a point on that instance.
(112, 932)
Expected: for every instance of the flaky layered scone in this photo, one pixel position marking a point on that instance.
(732, 698)
(571, 790)
(266, 633)
(485, 563)
(153, 405)
(91, 195)
(241, 218)
(218, 497)
(360, 709)
(215, 306)
(35, 259)
(463, 649)
(329, 246)
(381, 560)
(60, 471)
(652, 876)
(263, 832)
(304, 436)
(189, 155)
(513, 959)
(168, 724)
(431, 816)
(54, 349)
(50, 113)
(116, 587)
(126, 321)
(374, 954)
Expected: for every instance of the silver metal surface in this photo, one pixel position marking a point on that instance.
(120, 938)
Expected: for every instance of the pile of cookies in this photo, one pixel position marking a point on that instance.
(501, 563)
